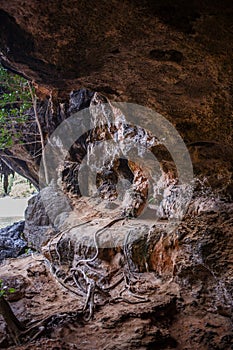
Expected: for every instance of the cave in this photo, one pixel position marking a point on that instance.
(128, 141)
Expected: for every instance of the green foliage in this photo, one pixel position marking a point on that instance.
(5, 290)
(15, 100)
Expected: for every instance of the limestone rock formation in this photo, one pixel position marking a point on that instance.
(37, 228)
(152, 289)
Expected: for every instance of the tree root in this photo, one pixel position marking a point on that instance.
(86, 281)
(38, 328)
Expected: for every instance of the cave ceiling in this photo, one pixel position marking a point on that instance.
(172, 56)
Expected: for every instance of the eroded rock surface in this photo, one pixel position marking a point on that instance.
(188, 291)
(126, 267)
(175, 57)
(38, 228)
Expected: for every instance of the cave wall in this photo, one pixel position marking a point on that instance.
(173, 56)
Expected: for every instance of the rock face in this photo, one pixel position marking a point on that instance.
(138, 292)
(11, 242)
(160, 291)
(179, 278)
(37, 230)
(186, 298)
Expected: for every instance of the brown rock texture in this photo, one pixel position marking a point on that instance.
(175, 57)
(172, 56)
(188, 294)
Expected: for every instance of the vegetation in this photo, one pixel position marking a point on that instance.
(18, 102)
(4, 289)
(15, 327)
(15, 101)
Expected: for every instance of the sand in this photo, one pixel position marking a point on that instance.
(10, 207)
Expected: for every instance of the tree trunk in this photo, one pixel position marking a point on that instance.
(42, 140)
(5, 184)
(15, 327)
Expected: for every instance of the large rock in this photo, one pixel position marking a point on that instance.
(37, 226)
(46, 212)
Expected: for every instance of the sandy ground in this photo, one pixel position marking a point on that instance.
(10, 207)
(12, 210)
